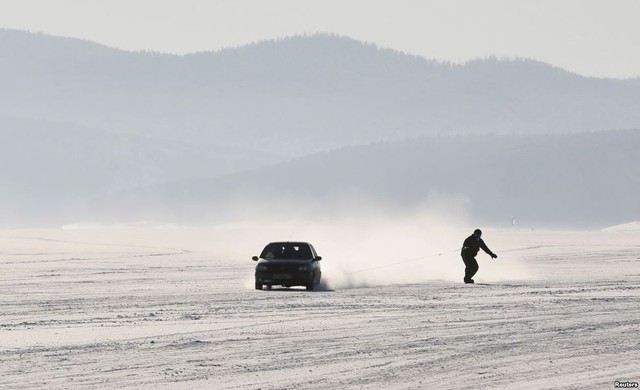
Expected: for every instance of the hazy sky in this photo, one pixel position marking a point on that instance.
(590, 37)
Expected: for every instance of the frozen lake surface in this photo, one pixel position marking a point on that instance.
(175, 308)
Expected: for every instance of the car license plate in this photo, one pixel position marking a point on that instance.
(281, 276)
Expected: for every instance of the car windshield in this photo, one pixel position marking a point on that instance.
(286, 250)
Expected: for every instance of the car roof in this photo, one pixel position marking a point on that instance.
(289, 242)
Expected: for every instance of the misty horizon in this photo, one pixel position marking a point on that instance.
(94, 134)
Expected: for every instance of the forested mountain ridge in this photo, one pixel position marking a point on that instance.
(567, 180)
(301, 94)
(83, 124)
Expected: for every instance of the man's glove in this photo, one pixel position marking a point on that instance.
(494, 256)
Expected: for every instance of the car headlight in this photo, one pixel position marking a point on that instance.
(261, 268)
(303, 268)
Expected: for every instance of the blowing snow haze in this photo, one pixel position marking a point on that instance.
(91, 133)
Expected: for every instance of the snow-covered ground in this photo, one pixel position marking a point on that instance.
(165, 308)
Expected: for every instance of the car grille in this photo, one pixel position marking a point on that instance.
(282, 267)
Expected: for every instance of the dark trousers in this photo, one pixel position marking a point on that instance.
(471, 267)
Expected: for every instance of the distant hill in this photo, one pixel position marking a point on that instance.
(577, 180)
(49, 169)
(87, 130)
(298, 95)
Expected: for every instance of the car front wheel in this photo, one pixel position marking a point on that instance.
(258, 285)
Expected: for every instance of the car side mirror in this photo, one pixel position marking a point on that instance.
(318, 258)
(254, 258)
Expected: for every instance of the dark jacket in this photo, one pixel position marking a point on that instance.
(472, 245)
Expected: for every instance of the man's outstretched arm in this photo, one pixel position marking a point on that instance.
(487, 250)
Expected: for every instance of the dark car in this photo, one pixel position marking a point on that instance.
(288, 264)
